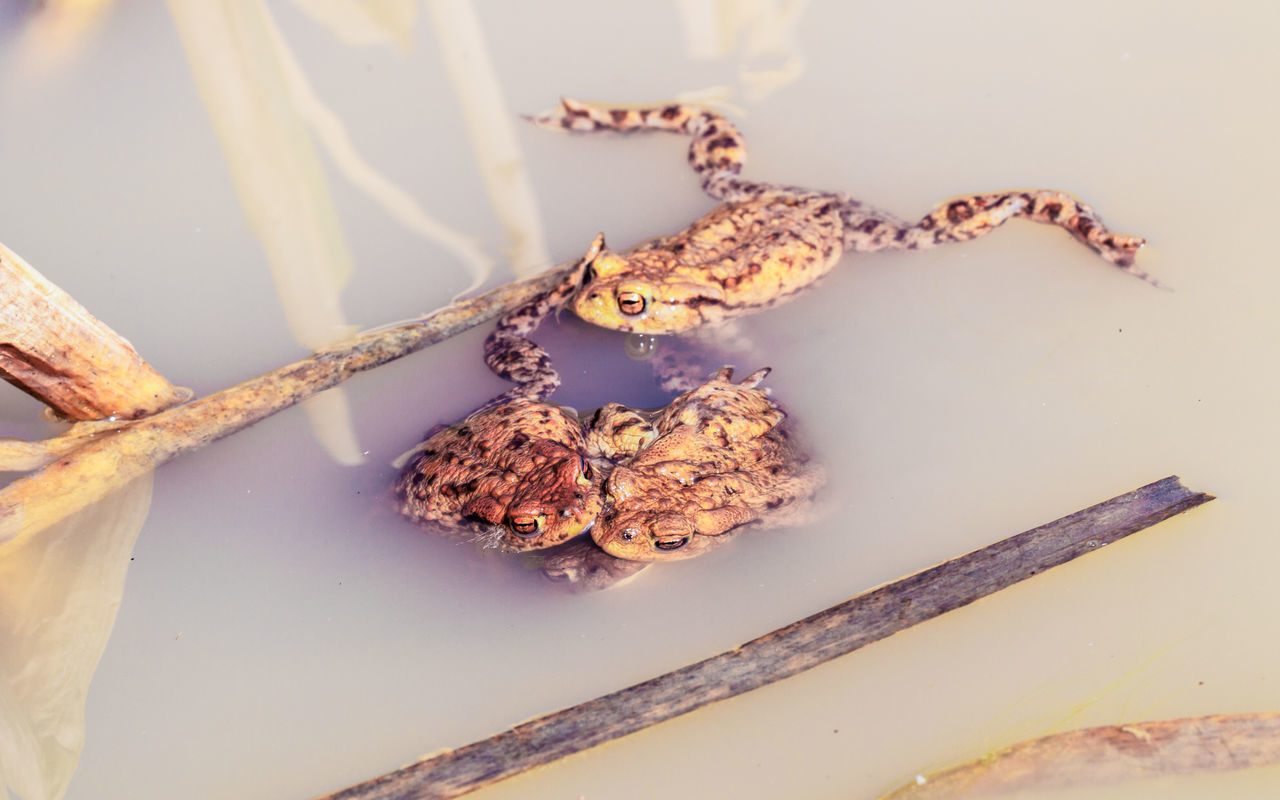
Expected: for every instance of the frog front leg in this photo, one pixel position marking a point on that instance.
(511, 354)
(968, 217)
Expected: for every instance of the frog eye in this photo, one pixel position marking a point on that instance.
(527, 525)
(584, 468)
(631, 303)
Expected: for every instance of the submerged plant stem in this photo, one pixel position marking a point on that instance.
(838, 630)
(1110, 754)
(94, 470)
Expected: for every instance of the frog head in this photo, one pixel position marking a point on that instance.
(555, 499)
(644, 292)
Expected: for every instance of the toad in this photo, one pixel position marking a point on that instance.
(723, 459)
(520, 475)
(762, 246)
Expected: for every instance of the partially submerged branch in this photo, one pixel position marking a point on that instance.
(55, 350)
(107, 462)
(841, 629)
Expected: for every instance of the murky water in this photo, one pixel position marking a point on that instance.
(285, 633)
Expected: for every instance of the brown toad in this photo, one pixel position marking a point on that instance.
(514, 475)
(520, 475)
(762, 246)
(722, 459)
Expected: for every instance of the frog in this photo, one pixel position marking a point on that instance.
(504, 476)
(764, 244)
(520, 475)
(724, 458)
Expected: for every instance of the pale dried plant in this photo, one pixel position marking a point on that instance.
(66, 530)
(269, 121)
(760, 33)
(53, 631)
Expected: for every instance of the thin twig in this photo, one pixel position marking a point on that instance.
(836, 631)
(110, 461)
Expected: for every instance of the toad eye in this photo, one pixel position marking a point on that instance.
(526, 526)
(588, 275)
(584, 467)
(631, 303)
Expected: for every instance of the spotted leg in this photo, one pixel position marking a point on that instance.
(511, 354)
(716, 153)
(677, 367)
(964, 218)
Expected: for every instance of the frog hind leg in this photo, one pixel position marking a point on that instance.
(716, 153)
(677, 367)
(963, 218)
(511, 354)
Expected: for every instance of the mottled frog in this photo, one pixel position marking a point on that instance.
(520, 475)
(762, 246)
(723, 459)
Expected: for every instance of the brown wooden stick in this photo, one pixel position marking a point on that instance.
(1110, 754)
(864, 619)
(110, 461)
(54, 349)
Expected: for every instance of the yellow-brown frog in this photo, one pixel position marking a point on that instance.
(762, 246)
(722, 459)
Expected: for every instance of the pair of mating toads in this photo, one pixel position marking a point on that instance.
(522, 473)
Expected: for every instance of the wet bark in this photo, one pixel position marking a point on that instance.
(55, 350)
(838, 630)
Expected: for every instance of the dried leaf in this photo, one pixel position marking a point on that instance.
(59, 593)
(766, 29)
(492, 128)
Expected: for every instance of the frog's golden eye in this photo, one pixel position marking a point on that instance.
(631, 303)
(526, 525)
